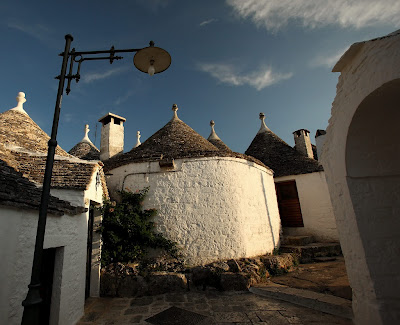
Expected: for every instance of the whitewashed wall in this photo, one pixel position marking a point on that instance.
(92, 195)
(366, 203)
(17, 242)
(215, 208)
(316, 207)
(66, 233)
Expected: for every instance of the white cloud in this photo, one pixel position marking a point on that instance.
(94, 76)
(124, 98)
(38, 31)
(259, 79)
(67, 117)
(328, 60)
(209, 21)
(275, 14)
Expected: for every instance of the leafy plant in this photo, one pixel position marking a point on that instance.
(128, 231)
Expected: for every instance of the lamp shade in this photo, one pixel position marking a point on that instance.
(160, 57)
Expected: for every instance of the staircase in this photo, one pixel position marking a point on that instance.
(308, 250)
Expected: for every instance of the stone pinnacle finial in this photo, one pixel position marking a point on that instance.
(213, 135)
(175, 109)
(86, 137)
(138, 143)
(263, 127)
(20, 102)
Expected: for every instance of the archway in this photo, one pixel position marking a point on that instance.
(373, 179)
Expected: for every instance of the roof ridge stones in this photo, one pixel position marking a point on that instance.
(283, 159)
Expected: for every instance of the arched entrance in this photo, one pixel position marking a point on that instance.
(372, 158)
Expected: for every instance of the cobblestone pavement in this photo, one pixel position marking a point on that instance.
(220, 308)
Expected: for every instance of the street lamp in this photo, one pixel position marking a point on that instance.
(150, 60)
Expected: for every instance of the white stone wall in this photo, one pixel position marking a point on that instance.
(17, 240)
(215, 208)
(375, 64)
(316, 207)
(319, 142)
(66, 233)
(93, 195)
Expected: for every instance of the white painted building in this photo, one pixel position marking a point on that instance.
(303, 197)
(361, 158)
(71, 262)
(215, 203)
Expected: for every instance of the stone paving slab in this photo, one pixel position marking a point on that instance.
(220, 307)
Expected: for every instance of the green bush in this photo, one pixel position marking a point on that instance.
(127, 230)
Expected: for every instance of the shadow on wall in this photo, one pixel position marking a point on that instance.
(373, 179)
(268, 214)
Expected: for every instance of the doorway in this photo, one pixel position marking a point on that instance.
(289, 204)
(46, 280)
(89, 251)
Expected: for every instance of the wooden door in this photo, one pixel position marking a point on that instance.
(289, 204)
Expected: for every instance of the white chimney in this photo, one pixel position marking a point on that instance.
(303, 143)
(319, 141)
(112, 136)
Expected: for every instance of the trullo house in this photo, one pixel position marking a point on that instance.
(304, 202)
(217, 204)
(71, 266)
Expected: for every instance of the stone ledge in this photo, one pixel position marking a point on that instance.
(119, 280)
(326, 303)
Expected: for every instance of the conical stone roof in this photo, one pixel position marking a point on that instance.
(215, 140)
(23, 147)
(278, 155)
(85, 149)
(18, 129)
(175, 140)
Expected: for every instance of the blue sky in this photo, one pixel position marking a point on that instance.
(231, 60)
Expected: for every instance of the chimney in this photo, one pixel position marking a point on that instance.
(319, 141)
(303, 143)
(112, 135)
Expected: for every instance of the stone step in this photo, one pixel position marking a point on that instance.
(325, 259)
(318, 301)
(308, 252)
(297, 240)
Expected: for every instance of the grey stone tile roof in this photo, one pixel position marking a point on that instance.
(279, 156)
(220, 144)
(175, 140)
(18, 129)
(17, 191)
(24, 146)
(85, 151)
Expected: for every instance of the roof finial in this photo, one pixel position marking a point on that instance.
(175, 109)
(263, 127)
(20, 100)
(213, 135)
(86, 137)
(138, 143)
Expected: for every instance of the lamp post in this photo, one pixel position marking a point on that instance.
(150, 60)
